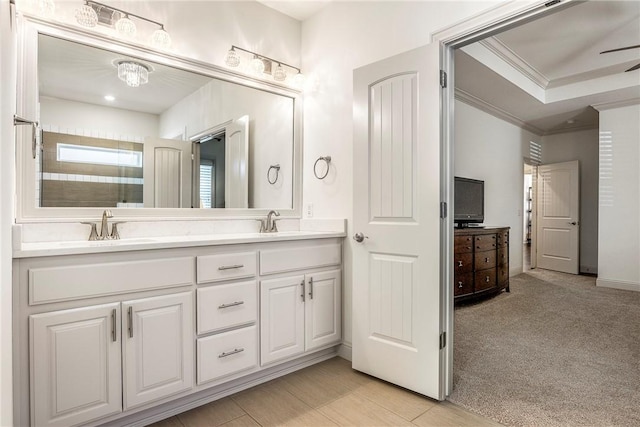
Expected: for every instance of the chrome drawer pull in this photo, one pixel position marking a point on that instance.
(486, 260)
(459, 263)
(487, 279)
(231, 304)
(230, 267)
(459, 284)
(302, 290)
(113, 325)
(234, 351)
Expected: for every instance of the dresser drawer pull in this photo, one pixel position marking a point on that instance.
(230, 267)
(486, 260)
(459, 284)
(231, 304)
(469, 247)
(487, 279)
(459, 263)
(234, 351)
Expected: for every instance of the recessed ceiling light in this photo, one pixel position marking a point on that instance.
(110, 98)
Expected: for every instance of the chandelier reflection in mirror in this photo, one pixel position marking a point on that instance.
(93, 13)
(260, 65)
(133, 73)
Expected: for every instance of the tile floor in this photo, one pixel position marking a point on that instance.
(327, 394)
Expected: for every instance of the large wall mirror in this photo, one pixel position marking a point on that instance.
(125, 127)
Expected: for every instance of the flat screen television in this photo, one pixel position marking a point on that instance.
(469, 202)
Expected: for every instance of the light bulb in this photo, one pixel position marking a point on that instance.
(257, 65)
(232, 59)
(279, 74)
(161, 39)
(126, 27)
(86, 16)
(298, 80)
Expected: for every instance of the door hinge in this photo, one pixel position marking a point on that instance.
(443, 210)
(443, 340)
(443, 78)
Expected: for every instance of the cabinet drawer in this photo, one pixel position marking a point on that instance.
(463, 244)
(485, 242)
(227, 353)
(225, 306)
(503, 256)
(53, 284)
(503, 276)
(503, 238)
(214, 268)
(298, 258)
(463, 263)
(485, 279)
(463, 284)
(484, 260)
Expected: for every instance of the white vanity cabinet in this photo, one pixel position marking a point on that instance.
(124, 337)
(76, 365)
(300, 312)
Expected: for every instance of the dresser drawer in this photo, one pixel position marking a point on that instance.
(215, 268)
(226, 305)
(484, 260)
(463, 263)
(485, 279)
(463, 244)
(503, 238)
(227, 353)
(463, 284)
(503, 276)
(503, 256)
(485, 242)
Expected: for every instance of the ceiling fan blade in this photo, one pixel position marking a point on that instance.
(620, 48)
(635, 67)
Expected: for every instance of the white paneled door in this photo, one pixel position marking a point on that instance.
(396, 274)
(167, 173)
(236, 172)
(558, 222)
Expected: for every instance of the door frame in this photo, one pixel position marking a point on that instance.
(475, 28)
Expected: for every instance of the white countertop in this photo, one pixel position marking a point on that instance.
(42, 249)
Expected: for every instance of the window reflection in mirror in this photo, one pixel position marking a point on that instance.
(92, 117)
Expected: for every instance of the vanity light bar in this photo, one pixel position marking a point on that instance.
(264, 64)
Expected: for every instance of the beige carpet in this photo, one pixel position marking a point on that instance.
(556, 351)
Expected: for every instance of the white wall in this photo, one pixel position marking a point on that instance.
(7, 177)
(79, 118)
(619, 198)
(344, 36)
(270, 133)
(492, 150)
(581, 146)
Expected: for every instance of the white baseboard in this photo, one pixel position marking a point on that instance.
(515, 271)
(618, 284)
(344, 351)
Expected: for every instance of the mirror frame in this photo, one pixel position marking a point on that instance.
(29, 27)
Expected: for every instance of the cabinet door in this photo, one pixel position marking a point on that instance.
(75, 365)
(281, 318)
(323, 309)
(158, 347)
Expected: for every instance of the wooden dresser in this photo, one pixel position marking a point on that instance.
(481, 261)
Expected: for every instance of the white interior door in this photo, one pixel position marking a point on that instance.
(236, 180)
(396, 273)
(167, 173)
(558, 221)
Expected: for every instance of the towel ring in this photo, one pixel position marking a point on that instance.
(277, 168)
(327, 160)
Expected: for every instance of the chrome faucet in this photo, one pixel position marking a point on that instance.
(104, 231)
(270, 226)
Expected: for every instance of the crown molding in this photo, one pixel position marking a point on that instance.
(503, 52)
(616, 104)
(589, 126)
(482, 105)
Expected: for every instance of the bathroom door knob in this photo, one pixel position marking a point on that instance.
(359, 237)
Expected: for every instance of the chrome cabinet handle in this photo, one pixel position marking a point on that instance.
(130, 321)
(459, 263)
(230, 267)
(311, 288)
(231, 304)
(459, 284)
(113, 325)
(229, 353)
(302, 290)
(487, 279)
(486, 260)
